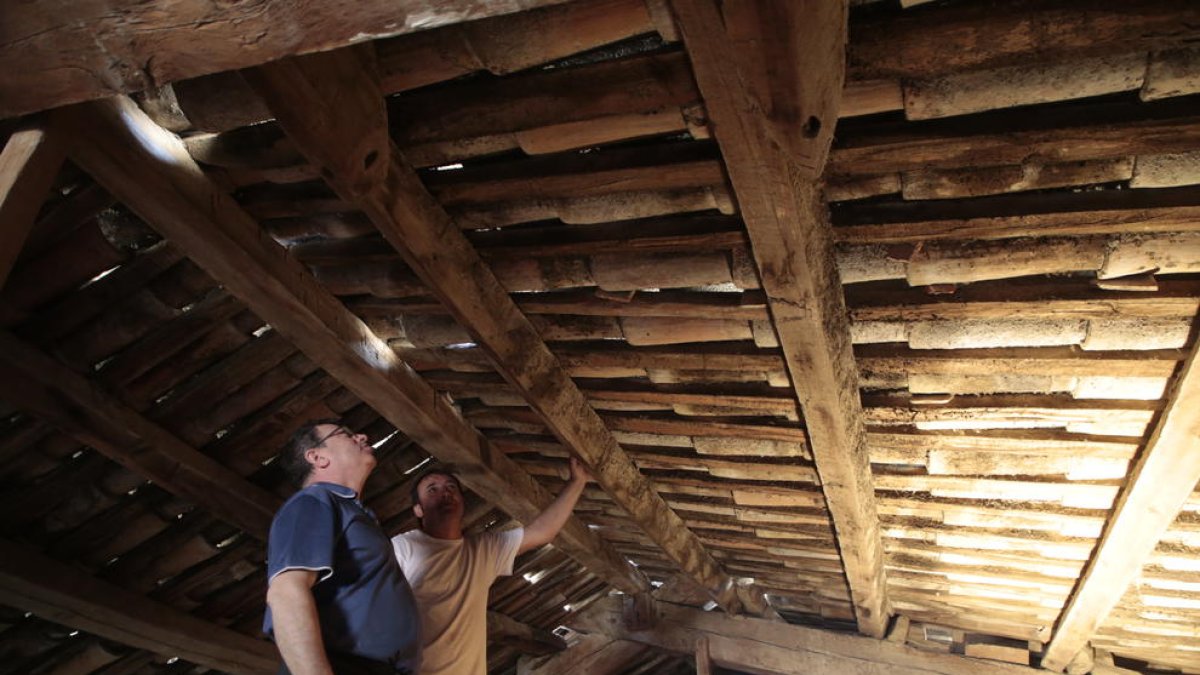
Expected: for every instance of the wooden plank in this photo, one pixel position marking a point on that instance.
(760, 646)
(49, 390)
(365, 168)
(598, 654)
(150, 171)
(1163, 477)
(28, 165)
(128, 46)
(503, 629)
(57, 592)
(785, 215)
(974, 36)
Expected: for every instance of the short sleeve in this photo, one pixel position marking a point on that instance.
(403, 550)
(303, 537)
(503, 547)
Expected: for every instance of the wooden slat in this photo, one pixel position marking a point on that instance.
(28, 164)
(150, 171)
(364, 167)
(47, 389)
(760, 646)
(127, 46)
(1162, 479)
(785, 215)
(60, 593)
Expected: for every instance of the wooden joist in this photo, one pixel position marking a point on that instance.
(60, 593)
(49, 390)
(28, 164)
(757, 115)
(129, 46)
(761, 646)
(364, 167)
(149, 171)
(1161, 480)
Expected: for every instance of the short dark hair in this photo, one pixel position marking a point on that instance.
(446, 470)
(295, 466)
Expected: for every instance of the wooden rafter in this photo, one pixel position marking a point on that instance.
(128, 46)
(32, 381)
(503, 629)
(334, 111)
(61, 593)
(30, 159)
(149, 170)
(774, 129)
(1161, 480)
(760, 646)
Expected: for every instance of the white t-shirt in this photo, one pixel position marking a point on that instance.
(450, 578)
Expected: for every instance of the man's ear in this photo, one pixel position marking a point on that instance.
(418, 511)
(316, 458)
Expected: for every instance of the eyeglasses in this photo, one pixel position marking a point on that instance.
(335, 432)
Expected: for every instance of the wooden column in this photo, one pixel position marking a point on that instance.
(1161, 480)
(63, 594)
(774, 124)
(333, 109)
(28, 164)
(149, 170)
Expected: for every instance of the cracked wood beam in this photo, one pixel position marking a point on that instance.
(527, 639)
(332, 108)
(148, 169)
(1161, 480)
(45, 388)
(28, 165)
(125, 46)
(60, 593)
(770, 647)
(774, 124)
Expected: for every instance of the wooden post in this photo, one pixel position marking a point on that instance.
(28, 164)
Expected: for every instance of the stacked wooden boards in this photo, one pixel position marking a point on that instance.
(1015, 232)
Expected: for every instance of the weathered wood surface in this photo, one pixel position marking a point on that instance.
(28, 164)
(780, 202)
(81, 408)
(391, 195)
(58, 592)
(108, 50)
(1164, 476)
(768, 647)
(150, 171)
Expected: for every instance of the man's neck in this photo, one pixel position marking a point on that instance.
(442, 530)
(352, 482)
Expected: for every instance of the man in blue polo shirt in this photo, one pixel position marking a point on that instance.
(337, 601)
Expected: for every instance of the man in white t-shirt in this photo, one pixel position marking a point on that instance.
(450, 574)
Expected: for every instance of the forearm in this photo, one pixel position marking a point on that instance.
(297, 628)
(546, 526)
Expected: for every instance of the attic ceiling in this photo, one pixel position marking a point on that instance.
(875, 323)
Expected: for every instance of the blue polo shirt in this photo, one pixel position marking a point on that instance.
(365, 604)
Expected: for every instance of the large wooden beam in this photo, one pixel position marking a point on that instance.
(28, 164)
(1161, 480)
(505, 630)
(36, 383)
(60, 593)
(334, 111)
(760, 646)
(148, 169)
(125, 46)
(774, 152)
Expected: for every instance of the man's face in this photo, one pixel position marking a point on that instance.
(345, 449)
(439, 500)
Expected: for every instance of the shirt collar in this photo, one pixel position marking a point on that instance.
(339, 490)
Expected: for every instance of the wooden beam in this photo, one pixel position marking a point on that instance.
(36, 383)
(334, 112)
(32, 582)
(760, 646)
(127, 46)
(593, 654)
(28, 165)
(1161, 480)
(503, 629)
(781, 204)
(149, 170)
